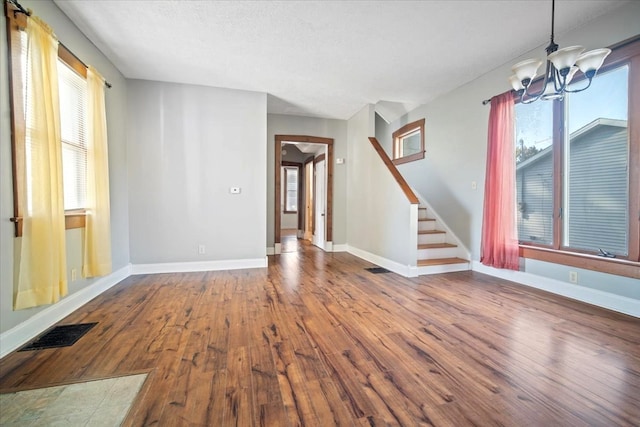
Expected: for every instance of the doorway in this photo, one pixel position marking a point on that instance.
(292, 194)
(315, 209)
(319, 205)
(308, 201)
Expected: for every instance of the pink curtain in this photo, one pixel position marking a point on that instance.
(499, 240)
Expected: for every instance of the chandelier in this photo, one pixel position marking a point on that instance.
(562, 66)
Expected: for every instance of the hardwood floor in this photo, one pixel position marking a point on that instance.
(316, 340)
(289, 241)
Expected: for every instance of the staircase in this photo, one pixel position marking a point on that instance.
(439, 251)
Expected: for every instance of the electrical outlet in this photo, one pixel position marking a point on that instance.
(74, 274)
(201, 249)
(573, 276)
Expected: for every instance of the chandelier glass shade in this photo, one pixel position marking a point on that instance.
(561, 67)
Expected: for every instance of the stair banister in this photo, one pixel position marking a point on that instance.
(413, 199)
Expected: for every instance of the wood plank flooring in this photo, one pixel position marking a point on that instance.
(316, 340)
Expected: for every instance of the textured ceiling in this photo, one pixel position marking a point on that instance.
(323, 58)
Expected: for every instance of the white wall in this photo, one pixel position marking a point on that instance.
(187, 146)
(379, 215)
(456, 132)
(279, 124)
(69, 34)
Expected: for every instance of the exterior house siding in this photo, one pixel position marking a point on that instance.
(597, 202)
(596, 214)
(534, 184)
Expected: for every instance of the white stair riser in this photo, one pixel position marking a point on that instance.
(422, 213)
(431, 238)
(438, 253)
(426, 225)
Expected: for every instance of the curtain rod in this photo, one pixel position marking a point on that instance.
(486, 101)
(21, 9)
(106, 83)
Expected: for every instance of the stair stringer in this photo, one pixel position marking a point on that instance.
(460, 251)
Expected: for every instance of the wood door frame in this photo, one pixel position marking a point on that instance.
(279, 140)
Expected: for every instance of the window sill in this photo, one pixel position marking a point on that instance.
(617, 266)
(72, 219)
(407, 159)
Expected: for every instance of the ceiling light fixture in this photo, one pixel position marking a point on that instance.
(562, 66)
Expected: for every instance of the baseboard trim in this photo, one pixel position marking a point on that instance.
(20, 334)
(591, 296)
(403, 270)
(340, 248)
(186, 267)
(271, 250)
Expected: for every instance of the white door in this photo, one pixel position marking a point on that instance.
(319, 229)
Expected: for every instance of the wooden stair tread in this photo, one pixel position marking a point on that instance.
(440, 261)
(420, 207)
(431, 232)
(436, 245)
(426, 219)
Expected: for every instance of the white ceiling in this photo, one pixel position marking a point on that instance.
(323, 58)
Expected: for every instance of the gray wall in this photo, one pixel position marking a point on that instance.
(294, 154)
(278, 124)
(456, 140)
(378, 212)
(187, 146)
(69, 34)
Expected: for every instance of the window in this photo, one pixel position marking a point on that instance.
(408, 143)
(72, 89)
(534, 171)
(291, 189)
(578, 187)
(73, 109)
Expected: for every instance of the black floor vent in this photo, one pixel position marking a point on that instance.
(377, 270)
(59, 336)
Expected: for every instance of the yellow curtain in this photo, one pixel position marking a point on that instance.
(42, 275)
(97, 247)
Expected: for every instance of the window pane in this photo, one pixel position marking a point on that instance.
(73, 99)
(291, 183)
(74, 177)
(534, 171)
(411, 144)
(408, 142)
(597, 165)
